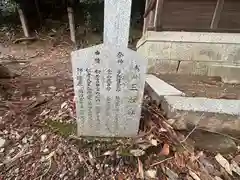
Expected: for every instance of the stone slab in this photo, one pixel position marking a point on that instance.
(158, 88)
(218, 115)
(108, 85)
(203, 49)
(229, 74)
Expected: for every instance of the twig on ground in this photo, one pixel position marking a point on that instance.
(154, 164)
(48, 169)
(17, 156)
(189, 134)
(25, 39)
(33, 56)
(81, 159)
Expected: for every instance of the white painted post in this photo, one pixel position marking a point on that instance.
(23, 22)
(117, 22)
(71, 24)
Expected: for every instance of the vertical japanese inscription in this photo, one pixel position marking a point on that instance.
(117, 108)
(119, 80)
(80, 93)
(120, 56)
(134, 89)
(89, 93)
(97, 59)
(109, 80)
(97, 94)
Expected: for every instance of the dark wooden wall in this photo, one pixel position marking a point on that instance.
(197, 15)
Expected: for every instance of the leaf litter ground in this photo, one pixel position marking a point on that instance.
(39, 129)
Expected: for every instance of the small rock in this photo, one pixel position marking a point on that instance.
(43, 137)
(45, 150)
(137, 152)
(2, 142)
(1, 150)
(151, 173)
(172, 175)
(154, 142)
(24, 140)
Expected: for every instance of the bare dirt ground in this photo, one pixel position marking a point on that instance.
(38, 130)
(202, 86)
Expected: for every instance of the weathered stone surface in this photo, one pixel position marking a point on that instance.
(162, 66)
(201, 48)
(158, 88)
(229, 74)
(192, 67)
(108, 84)
(159, 50)
(213, 142)
(116, 22)
(218, 115)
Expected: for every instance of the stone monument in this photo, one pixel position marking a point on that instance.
(109, 79)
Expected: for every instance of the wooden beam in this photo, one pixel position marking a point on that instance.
(146, 19)
(217, 14)
(150, 6)
(158, 14)
(151, 18)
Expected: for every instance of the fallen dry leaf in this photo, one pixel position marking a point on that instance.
(224, 163)
(235, 168)
(165, 150)
(194, 175)
(217, 178)
(140, 169)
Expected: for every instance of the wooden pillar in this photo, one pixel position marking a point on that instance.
(152, 19)
(71, 24)
(146, 19)
(23, 22)
(158, 15)
(217, 14)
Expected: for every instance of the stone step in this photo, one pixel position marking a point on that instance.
(217, 115)
(228, 73)
(158, 88)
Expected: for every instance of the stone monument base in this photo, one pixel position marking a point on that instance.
(192, 53)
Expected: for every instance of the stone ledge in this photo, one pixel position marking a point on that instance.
(228, 73)
(158, 88)
(199, 37)
(217, 115)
